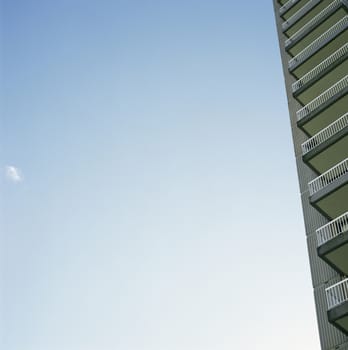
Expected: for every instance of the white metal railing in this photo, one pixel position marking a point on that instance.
(322, 98)
(328, 177)
(297, 15)
(337, 294)
(313, 22)
(332, 229)
(287, 6)
(325, 134)
(321, 67)
(318, 43)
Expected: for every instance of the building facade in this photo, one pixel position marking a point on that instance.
(313, 40)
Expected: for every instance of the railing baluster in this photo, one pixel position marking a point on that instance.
(328, 177)
(297, 15)
(287, 6)
(337, 294)
(342, 51)
(319, 42)
(325, 134)
(310, 24)
(322, 98)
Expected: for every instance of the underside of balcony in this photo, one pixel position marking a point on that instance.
(337, 300)
(317, 53)
(327, 148)
(333, 73)
(307, 13)
(297, 46)
(339, 317)
(282, 2)
(335, 253)
(331, 201)
(294, 8)
(324, 110)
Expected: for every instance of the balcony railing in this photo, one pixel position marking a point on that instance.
(297, 15)
(322, 98)
(332, 229)
(337, 294)
(287, 6)
(314, 21)
(318, 43)
(328, 177)
(325, 134)
(321, 67)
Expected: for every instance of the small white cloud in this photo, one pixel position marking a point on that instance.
(13, 174)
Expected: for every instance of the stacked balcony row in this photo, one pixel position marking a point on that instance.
(317, 42)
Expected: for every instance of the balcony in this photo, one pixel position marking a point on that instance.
(325, 45)
(322, 76)
(324, 109)
(304, 15)
(287, 6)
(333, 243)
(316, 26)
(291, 7)
(290, 21)
(337, 301)
(328, 147)
(329, 191)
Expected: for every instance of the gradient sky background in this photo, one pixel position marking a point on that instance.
(159, 207)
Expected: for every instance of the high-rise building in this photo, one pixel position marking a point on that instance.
(313, 39)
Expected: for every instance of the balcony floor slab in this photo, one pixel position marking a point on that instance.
(338, 316)
(330, 152)
(332, 200)
(335, 253)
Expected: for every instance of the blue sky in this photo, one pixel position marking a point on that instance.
(158, 205)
